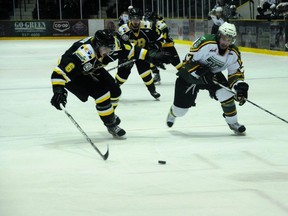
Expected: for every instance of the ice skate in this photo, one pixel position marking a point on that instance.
(237, 128)
(157, 79)
(117, 132)
(155, 94)
(170, 118)
(117, 120)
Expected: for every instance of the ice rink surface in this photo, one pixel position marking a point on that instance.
(47, 168)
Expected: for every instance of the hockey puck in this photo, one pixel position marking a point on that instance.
(161, 162)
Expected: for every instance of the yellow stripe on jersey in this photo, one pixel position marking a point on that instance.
(193, 68)
(131, 53)
(149, 82)
(143, 54)
(231, 113)
(103, 98)
(178, 66)
(145, 73)
(127, 47)
(58, 82)
(233, 78)
(62, 73)
(106, 112)
(169, 44)
(195, 49)
(238, 55)
(120, 79)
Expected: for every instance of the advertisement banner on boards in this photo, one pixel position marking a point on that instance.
(44, 28)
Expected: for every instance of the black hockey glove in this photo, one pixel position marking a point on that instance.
(154, 46)
(241, 95)
(158, 58)
(59, 97)
(199, 77)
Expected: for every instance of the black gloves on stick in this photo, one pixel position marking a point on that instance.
(59, 97)
(158, 58)
(241, 95)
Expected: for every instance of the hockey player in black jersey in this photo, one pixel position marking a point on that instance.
(81, 71)
(137, 33)
(208, 57)
(158, 23)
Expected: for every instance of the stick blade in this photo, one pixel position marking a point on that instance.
(106, 155)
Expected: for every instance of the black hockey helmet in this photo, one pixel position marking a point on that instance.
(104, 38)
(135, 13)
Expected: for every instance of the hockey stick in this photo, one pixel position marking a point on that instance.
(91, 72)
(250, 101)
(122, 65)
(104, 156)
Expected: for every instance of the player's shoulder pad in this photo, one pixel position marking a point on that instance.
(85, 53)
(161, 24)
(145, 25)
(235, 49)
(123, 29)
(123, 32)
(204, 40)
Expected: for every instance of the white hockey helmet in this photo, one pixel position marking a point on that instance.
(130, 7)
(218, 9)
(228, 30)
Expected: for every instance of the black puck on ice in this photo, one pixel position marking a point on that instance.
(161, 162)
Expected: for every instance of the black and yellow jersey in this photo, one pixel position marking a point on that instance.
(81, 58)
(143, 37)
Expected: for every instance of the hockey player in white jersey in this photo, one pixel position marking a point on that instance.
(208, 57)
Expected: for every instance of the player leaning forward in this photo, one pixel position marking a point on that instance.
(208, 57)
(81, 71)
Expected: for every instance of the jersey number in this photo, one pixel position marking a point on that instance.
(141, 42)
(70, 67)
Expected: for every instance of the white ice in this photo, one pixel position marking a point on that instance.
(47, 168)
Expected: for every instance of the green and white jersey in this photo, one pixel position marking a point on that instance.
(206, 52)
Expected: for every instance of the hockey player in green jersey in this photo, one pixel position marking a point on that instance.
(208, 57)
(81, 71)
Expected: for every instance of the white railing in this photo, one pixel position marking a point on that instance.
(85, 9)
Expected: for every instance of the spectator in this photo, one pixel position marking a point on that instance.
(266, 9)
(282, 9)
(216, 15)
(233, 12)
(225, 8)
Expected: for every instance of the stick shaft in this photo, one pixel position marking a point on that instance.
(122, 65)
(105, 156)
(251, 102)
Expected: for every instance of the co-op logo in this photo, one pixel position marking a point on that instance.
(61, 26)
